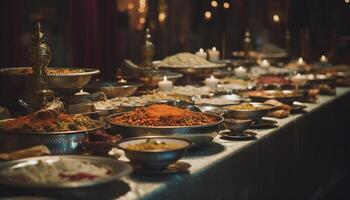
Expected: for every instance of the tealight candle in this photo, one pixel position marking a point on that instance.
(213, 54)
(301, 61)
(165, 85)
(122, 81)
(81, 93)
(265, 63)
(202, 53)
(240, 72)
(323, 59)
(211, 82)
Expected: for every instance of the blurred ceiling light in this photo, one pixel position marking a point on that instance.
(161, 17)
(141, 9)
(131, 6)
(347, 1)
(207, 15)
(142, 20)
(276, 18)
(226, 5)
(214, 4)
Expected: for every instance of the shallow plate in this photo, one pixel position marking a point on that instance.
(246, 135)
(119, 169)
(264, 123)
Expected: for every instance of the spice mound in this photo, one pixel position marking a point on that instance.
(60, 123)
(163, 115)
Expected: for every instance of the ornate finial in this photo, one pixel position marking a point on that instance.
(147, 50)
(40, 57)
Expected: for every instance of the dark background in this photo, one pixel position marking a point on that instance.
(101, 33)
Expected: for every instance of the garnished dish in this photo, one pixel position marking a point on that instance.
(119, 102)
(152, 145)
(62, 171)
(48, 123)
(163, 115)
(58, 171)
(184, 60)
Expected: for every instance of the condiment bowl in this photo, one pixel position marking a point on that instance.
(254, 115)
(155, 158)
(237, 125)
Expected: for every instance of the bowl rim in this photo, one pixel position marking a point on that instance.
(86, 71)
(189, 144)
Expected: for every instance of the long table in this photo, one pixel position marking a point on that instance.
(298, 160)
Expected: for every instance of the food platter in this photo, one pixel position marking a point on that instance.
(199, 135)
(285, 96)
(79, 77)
(117, 169)
(194, 70)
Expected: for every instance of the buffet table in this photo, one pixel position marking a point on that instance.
(298, 159)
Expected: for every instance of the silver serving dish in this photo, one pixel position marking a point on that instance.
(198, 135)
(68, 142)
(254, 115)
(118, 170)
(20, 80)
(295, 96)
(195, 70)
(154, 159)
(114, 89)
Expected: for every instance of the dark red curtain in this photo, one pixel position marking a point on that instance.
(94, 35)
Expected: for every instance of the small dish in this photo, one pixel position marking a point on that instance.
(244, 135)
(237, 125)
(156, 157)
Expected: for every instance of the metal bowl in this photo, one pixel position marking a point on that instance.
(114, 89)
(237, 125)
(254, 115)
(192, 70)
(154, 159)
(199, 135)
(68, 142)
(20, 80)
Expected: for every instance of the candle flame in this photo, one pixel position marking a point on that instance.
(323, 58)
(165, 78)
(213, 49)
(201, 50)
(301, 61)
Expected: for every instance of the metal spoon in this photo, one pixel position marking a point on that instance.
(28, 109)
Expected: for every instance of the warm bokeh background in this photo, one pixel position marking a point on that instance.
(103, 32)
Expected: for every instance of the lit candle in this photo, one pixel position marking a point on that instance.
(298, 80)
(122, 81)
(81, 93)
(211, 82)
(165, 85)
(265, 63)
(323, 59)
(240, 72)
(301, 61)
(201, 53)
(213, 54)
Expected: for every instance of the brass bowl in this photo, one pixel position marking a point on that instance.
(254, 115)
(114, 89)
